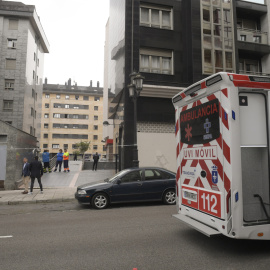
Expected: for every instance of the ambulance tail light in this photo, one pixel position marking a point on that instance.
(260, 234)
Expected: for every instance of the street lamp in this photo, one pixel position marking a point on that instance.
(135, 88)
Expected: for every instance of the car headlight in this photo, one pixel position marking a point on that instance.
(81, 192)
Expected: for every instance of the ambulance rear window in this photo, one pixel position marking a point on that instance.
(200, 125)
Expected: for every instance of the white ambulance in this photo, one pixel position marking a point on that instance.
(222, 132)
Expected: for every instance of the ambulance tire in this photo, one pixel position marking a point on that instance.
(100, 201)
(169, 197)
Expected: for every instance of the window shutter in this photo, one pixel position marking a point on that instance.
(13, 24)
(10, 64)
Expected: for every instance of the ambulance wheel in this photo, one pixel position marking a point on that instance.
(169, 197)
(100, 201)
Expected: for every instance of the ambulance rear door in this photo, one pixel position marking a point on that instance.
(201, 179)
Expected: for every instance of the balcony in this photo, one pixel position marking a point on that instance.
(253, 36)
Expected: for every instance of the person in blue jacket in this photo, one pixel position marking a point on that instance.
(59, 160)
(46, 161)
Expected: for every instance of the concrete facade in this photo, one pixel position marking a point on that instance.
(71, 114)
(15, 144)
(23, 44)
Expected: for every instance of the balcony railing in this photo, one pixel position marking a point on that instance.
(253, 73)
(250, 35)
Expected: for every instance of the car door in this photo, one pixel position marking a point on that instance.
(154, 184)
(129, 188)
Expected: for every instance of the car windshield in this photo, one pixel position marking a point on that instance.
(117, 175)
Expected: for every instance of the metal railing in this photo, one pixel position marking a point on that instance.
(251, 35)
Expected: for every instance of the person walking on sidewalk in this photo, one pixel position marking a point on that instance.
(66, 158)
(59, 160)
(95, 158)
(75, 157)
(36, 171)
(46, 161)
(25, 175)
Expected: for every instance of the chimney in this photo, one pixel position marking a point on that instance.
(46, 81)
(91, 84)
(98, 84)
(69, 82)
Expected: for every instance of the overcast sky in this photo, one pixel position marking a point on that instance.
(76, 33)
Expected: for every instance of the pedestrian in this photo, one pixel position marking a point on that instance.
(46, 161)
(75, 157)
(25, 175)
(66, 158)
(95, 158)
(59, 160)
(36, 171)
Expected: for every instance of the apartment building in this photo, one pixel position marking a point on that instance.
(23, 44)
(174, 44)
(71, 114)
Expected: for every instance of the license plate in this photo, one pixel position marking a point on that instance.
(190, 196)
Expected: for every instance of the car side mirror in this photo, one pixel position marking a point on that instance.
(118, 182)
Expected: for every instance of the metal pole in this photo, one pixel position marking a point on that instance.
(135, 149)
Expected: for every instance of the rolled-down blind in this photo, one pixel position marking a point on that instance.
(10, 63)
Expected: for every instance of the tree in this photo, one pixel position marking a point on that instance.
(83, 147)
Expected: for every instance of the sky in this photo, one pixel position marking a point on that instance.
(75, 30)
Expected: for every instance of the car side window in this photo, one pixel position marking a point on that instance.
(149, 175)
(132, 177)
(166, 175)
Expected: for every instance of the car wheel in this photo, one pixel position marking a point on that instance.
(100, 201)
(169, 196)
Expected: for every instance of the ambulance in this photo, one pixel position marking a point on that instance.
(222, 134)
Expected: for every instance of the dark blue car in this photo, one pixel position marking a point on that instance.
(130, 185)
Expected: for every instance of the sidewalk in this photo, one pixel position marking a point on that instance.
(57, 187)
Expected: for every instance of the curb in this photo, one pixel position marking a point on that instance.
(39, 201)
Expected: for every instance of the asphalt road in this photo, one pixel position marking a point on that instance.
(143, 236)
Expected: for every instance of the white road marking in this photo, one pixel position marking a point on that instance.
(74, 180)
(7, 236)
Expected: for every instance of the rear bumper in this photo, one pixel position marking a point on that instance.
(207, 230)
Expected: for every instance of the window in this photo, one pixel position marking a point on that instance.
(33, 93)
(56, 115)
(45, 135)
(9, 84)
(13, 24)
(229, 61)
(35, 114)
(8, 105)
(95, 147)
(95, 127)
(47, 96)
(95, 108)
(97, 98)
(46, 125)
(257, 39)
(46, 115)
(85, 98)
(31, 130)
(32, 112)
(10, 64)
(132, 177)
(66, 106)
(158, 17)
(95, 137)
(47, 105)
(243, 37)
(150, 175)
(76, 107)
(95, 117)
(65, 146)
(55, 146)
(12, 43)
(156, 61)
(34, 56)
(77, 97)
(67, 96)
(74, 146)
(75, 116)
(45, 145)
(58, 96)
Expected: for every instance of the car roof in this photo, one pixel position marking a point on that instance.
(150, 168)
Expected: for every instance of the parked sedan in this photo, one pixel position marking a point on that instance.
(130, 185)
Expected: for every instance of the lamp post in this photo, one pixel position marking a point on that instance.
(135, 88)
